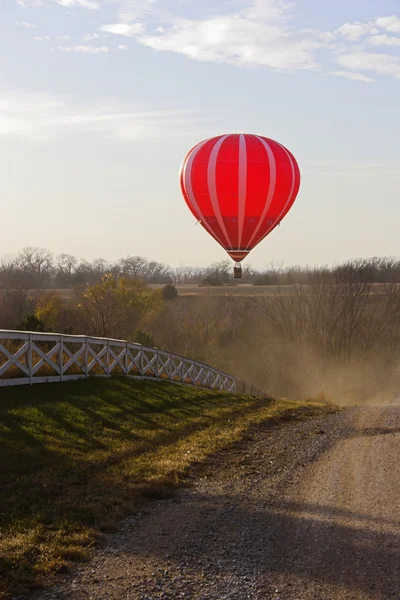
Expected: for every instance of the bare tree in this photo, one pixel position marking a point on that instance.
(66, 263)
(37, 265)
(132, 266)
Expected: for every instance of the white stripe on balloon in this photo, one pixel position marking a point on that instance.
(212, 187)
(242, 189)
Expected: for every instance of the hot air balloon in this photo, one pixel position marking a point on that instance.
(239, 187)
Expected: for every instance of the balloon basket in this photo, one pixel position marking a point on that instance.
(237, 272)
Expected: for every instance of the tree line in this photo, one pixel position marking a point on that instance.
(331, 334)
(38, 268)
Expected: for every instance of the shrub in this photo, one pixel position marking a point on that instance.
(32, 323)
(169, 291)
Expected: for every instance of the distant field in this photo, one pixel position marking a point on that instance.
(241, 289)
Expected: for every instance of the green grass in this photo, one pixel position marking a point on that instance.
(76, 457)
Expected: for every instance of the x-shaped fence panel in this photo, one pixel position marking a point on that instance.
(28, 357)
(45, 355)
(13, 359)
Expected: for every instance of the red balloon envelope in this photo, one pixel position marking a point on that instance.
(239, 187)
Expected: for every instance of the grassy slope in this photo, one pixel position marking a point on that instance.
(76, 457)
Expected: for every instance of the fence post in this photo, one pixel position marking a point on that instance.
(158, 364)
(213, 376)
(108, 359)
(181, 370)
(141, 371)
(61, 357)
(86, 357)
(30, 359)
(126, 358)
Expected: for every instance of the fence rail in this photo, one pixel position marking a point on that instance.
(28, 358)
(248, 389)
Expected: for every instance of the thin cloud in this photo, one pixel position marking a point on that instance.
(30, 3)
(122, 47)
(42, 38)
(27, 25)
(85, 49)
(91, 4)
(384, 40)
(136, 10)
(355, 31)
(91, 36)
(353, 76)
(40, 117)
(382, 64)
(259, 35)
(133, 30)
(389, 23)
(372, 31)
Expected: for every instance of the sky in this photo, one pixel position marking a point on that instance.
(100, 100)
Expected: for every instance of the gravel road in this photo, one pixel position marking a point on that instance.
(304, 510)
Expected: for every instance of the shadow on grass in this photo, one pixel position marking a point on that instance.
(70, 450)
(63, 482)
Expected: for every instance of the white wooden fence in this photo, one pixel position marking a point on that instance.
(28, 358)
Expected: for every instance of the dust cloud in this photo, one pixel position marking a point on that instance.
(338, 342)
